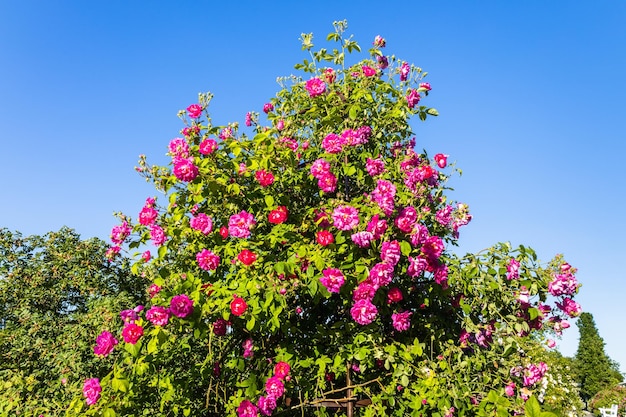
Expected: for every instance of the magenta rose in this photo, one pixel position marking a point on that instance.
(132, 333)
(91, 390)
(158, 315)
(181, 306)
(194, 111)
(105, 342)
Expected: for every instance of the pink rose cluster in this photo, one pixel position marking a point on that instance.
(239, 224)
(334, 143)
(315, 87)
(531, 373)
(326, 180)
(274, 389)
(564, 282)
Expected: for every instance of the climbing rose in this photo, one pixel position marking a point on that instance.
(319, 168)
(315, 87)
(394, 295)
(390, 252)
(413, 98)
(247, 409)
(120, 233)
(509, 389)
(91, 390)
(247, 257)
(278, 215)
(363, 312)
(157, 235)
(281, 370)
(148, 215)
(267, 405)
(207, 147)
(268, 107)
(274, 387)
(194, 111)
(105, 342)
(324, 237)
(426, 86)
(132, 333)
(333, 143)
(441, 160)
(158, 315)
(207, 260)
(401, 321)
(239, 224)
(368, 71)
(405, 69)
(185, 170)
(374, 166)
(220, 327)
(379, 42)
(362, 239)
(327, 183)
(333, 279)
(181, 306)
(202, 223)
(238, 306)
(224, 232)
(179, 147)
(264, 177)
(345, 217)
(512, 269)
(153, 290)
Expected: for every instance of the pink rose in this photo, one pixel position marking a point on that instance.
(315, 87)
(132, 333)
(181, 306)
(194, 111)
(105, 342)
(91, 390)
(158, 315)
(207, 146)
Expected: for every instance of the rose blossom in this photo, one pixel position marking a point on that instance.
(405, 69)
(181, 306)
(362, 239)
(363, 312)
(207, 260)
(264, 177)
(374, 166)
(207, 147)
(364, 291)
(324, 237)
(158, 315)
(247, 409)
(379, 42)
(441, 160)
(401, 321)
(406, 219)
(390, 252)
(333, 143)
(315, 87)
(239, 224)
(153, 290)
(105, 342)
(512, 269)
(91, 390)
(146, 256)
(238, 306)
(327, 183)
(267, 405)
(157, 234)
(345, 217)
(394, 295)
(377, 226)
(247, 257)
(185, 170)
(194, 111)
(281, 370)
(179, 148)
(380, 275)
(274, 387)
(278, 215)
(368, 71)
(148, 215)
(202, 223)
(268, 107)
(426, 86)
(413, 98)
(509, 389)
(132, 333)
(319, 168)
(120, 233)
(333, 279)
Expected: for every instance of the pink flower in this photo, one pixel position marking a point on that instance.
(280, 125)
(551, 343)
(267, 405)
(364, 291)
(158, 315)
(239, 224)
(441, 160)
(179, 148)
(184, 169)
(382, 61)
(368, 71)
(278, 215)
(390, 252)
(394, 295)
(220, 326)
(248, 348)
(362, 239)
(194, 111)
(413, 98)
(401, 321)
(247, 257)
(148, 215)
(416, 266)
(157, 235)
(132, 333)
(406, 219)
(327, 183)
(274, 387)
(207, 146)
(181, 306)
(91, 390)
(383, 195)
(570, 307)
(207, 260)
(315, 87)
(202, 223)
(248, 119)
(374, 166)
(190, 131)
(333, 143)
(333, 279)
(512, 269)
(433, 247)
(105, 342)
(268, 107)
(426, 86)
(153, 290)
(319, 168)
(379, 42)
(120, 233)
(509, 389)
(226, 133)
(264, 177)
(223, 232)
(405, 69)
(444, 215)
(324, 237)
(146, 256)
(247, 409)
(281, 370)
(377, 226)
(238, 306)
(345, 217)
(380, 275)
(363, 312)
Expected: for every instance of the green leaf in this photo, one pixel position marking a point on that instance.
(269, 201)
(432, 112)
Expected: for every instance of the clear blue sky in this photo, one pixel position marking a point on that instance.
(531, 96)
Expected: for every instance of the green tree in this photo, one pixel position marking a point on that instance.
(56, 293)
(594, 369)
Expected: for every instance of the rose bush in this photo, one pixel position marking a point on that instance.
(307, 261)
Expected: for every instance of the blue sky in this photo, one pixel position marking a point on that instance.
(530, 95)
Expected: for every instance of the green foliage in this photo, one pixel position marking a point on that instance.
(56, 293)
(466, 318)
(607, 397)
(533, 409)
(594, 369)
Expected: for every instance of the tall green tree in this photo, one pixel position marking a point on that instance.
(595, 370)
(56, 294)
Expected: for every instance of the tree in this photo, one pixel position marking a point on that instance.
(56, 293)
(301, 262)
(594, 369)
